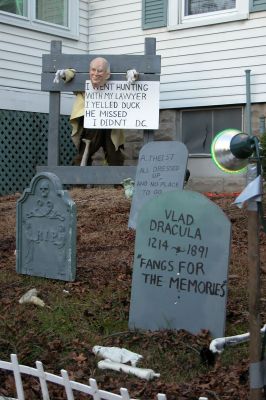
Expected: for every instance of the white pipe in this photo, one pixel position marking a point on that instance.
(217, 345)
(142, 373)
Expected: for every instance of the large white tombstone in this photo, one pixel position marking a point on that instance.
(161, 168)
(180, 264)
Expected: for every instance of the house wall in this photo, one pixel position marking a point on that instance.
(21, 53)
(201, 66)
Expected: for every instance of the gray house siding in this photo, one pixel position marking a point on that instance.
(201, 66)
(21, 52)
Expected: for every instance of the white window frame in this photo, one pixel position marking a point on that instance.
(177, 19)
(30, 22)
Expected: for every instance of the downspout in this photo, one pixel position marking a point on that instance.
(248, 103)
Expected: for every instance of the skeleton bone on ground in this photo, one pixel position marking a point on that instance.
(31, 297)
(117, 354)
(143, 373)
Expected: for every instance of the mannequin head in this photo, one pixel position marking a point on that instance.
(99, 71)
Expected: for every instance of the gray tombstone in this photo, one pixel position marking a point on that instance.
(180, 265)
(46, 230)
(161, 168)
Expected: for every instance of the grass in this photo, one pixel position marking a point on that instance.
(85, 320)
(231, 354)
(92, 318)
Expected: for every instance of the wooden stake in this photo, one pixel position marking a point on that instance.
(254, 293)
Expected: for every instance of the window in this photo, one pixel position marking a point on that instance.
(189, 13)
(13, 6)
(51, 11)
(193, 7)
(51, 16)
(199, 127)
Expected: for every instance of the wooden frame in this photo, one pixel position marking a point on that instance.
(149, 68)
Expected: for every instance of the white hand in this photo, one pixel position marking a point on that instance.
(132, 75)
(60, 73)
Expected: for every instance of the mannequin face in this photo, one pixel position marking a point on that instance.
(99, 71)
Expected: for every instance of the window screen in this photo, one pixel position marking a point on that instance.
(54, 11)
(199, 127)
(205, 6)
(13, 6)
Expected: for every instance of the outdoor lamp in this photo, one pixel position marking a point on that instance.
(231, 149)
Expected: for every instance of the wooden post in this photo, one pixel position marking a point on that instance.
(256, 372)
(54, 115)
(255, 369)
(150, 50)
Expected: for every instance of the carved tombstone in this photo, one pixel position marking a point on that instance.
(161, 168)
(46, 230)
(180, 266)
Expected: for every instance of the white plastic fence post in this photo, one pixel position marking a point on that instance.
(44, 388)
(67, 385)
(94, 386)
(124, 394)
(161, 396)
(17, 376)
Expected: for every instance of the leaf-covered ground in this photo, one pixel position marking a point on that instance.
(93, 310)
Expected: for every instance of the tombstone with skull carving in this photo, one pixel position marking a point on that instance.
(46, 230)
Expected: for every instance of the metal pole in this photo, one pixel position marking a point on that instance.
(248, 103)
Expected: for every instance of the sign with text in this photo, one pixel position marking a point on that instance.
(161, 168)
(180, 264)
(122, 105)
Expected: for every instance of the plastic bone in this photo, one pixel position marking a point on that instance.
(142, 373)
(86, 153)
(31, 297)
(218, 345)
(117, 355)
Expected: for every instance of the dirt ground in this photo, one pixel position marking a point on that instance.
(105, 251)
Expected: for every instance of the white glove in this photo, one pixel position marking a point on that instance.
(132, 75)
(60, 73)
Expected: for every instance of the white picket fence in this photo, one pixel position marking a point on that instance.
(63, 380)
